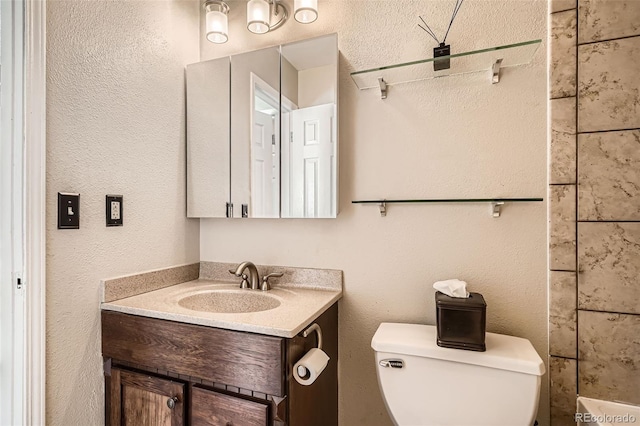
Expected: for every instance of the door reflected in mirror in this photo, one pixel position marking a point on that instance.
(265, 151)
(309, 128)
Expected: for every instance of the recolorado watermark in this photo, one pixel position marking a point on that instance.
(604, 418)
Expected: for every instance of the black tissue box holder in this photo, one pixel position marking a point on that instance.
(461, 322)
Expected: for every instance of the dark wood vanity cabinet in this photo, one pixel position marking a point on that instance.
(139, 399)
(217, 409)
(160, 372)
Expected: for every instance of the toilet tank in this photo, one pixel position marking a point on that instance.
(424, 384)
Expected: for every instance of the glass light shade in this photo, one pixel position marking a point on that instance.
(258, 16)
(305, 11)
(217, 27)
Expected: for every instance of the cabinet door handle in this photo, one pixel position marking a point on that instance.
(171, 402)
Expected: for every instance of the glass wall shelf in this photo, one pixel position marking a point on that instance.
(496, 203)
(490, 60)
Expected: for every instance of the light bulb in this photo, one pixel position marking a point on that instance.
(217, 24)
(258, 16)
(305, 11)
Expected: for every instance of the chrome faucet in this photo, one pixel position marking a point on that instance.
(254, 279)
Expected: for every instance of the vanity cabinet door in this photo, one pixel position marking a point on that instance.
(142, 400)
(209, 408)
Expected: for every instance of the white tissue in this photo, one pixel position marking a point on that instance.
(307, 370)
(453, 288)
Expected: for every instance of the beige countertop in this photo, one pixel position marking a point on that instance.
(299, 306)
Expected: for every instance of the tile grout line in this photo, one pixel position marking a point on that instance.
(561, 97)
(607, 131)
(608, 39)
(608, 221)
(609, 312)
(562, 357)
(565, 10)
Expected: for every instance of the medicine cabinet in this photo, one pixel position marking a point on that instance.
(262, 137)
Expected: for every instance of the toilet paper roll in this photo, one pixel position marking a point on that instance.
(307, 370)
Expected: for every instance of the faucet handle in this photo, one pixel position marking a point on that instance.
(265, 280)
(244, 283)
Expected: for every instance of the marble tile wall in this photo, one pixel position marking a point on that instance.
(594, 177)
(562, 314)
(609, 257)
(562, 162)
(562, 229)
(609, 366)
(562, 71)
(609, 85)
(562, 197)
(608, 19)
(562, 5)
(609, 179)
(563, 390)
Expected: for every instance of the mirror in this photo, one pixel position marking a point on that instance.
(255, 112)
(309, 128)
(262, 136)
(208, 167)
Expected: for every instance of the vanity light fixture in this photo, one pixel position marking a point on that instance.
(305, 11)
(265, 15)
(262, 16)
(217, 24)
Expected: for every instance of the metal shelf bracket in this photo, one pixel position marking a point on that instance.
(496, 208)
(495, 70)
(383, 209)
(383, 88)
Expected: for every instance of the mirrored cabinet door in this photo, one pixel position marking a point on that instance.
(208, 158)
(309, 149)
(262, 133)
(255, 133)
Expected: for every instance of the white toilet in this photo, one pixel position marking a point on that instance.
(425, 385)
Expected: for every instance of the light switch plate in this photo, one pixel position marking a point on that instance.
(68, 210)
(114, 210)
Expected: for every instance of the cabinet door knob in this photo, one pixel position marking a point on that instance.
(171, 402)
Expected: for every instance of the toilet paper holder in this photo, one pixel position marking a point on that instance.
(314, 327)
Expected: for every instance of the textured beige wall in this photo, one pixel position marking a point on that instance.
(452, 137)
(115, 124)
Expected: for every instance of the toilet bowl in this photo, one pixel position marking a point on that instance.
(425, 385)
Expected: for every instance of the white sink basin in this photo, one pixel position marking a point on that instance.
(229, 301)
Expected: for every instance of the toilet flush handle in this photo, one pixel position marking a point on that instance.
(393, 363)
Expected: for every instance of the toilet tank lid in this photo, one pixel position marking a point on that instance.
(503, 352)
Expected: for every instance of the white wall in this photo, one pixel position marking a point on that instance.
(115, 124)
(453, 137)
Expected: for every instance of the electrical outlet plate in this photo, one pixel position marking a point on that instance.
(114, 210)
(68, 210)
